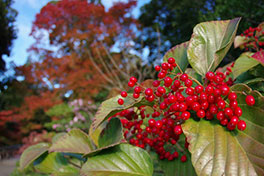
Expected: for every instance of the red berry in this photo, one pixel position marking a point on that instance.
(232, 96)
(178, 129)
(161, 75)
(198, 89)
(148, 91)
(131, 84)
(136, 95)
(171, 60)
(221, 104)
(238, 111)
(157, 68)
(228, 112)
(168, 81)
(210, 76)
(185, 115)
(164, 66)
(183, 158)
(120, 101)
(156, 83)
(152, 122)
(188, 83)
(234, 120)
(200, 113)
(250, 100)
(195, 106)
(184, 77)
(177, 83)
(124, 94)
(159, 124)
(220, 115)
(133, 79)
(137, 89)
(225, 90)
(241, 125)
(161, 90)
(189, 91)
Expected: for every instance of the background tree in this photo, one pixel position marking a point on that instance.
(7, 29)
(172, 21)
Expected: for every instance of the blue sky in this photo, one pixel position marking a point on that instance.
(27, 9)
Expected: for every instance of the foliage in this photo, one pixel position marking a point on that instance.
(170, 21)
(205, 138)
(7, 29)
(250, 63)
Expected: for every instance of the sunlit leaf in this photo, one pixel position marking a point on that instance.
(209, 44)
(120, 160)
(75, 141)
(32, 153)
(243, 64)
(240, 41)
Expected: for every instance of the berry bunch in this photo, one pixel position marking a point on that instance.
(255, 35)
(175, 98)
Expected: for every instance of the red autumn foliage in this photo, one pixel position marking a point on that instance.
(79, 35)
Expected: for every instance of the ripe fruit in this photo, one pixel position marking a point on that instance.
(120, 101)
(241, 125)
(183, 158)
(178, 129)
(250, 100)
(124, 94)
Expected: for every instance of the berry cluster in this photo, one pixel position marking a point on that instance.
(175, 98)
(255, 35)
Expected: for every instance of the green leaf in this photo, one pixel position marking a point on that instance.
(120, 160)
(209, 44)
(32, 153)
(252, 139)
(179, 53)
(112, 133)
(253, 81)
(56, 164)
(111, 107)
(240, 41)
(75, 141)
(110, 136)
(216, 151)
(243, 63)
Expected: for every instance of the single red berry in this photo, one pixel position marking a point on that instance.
(232, 96)
(231, 126)
(131, 84)
(238, 111)
(161, 90)
(234, 120)
(178, 129)
(157, 68)
(159, 124)
(198, 89)
(196, 106)
(228, 112)
(200, 113)
(221, 104)
(224, 122)
(184, 77)
(185, 115)
(168, 81)
(241, 125)
(220, 115)
(177, 83)
(175, 154)
(210, 76)
(120, 101)
(133, 79)
(188, 83)
(233, 104)
(171, 60)
(250, 100)
(209, 89)
(136, 95)
(183, 158)
(189, 91)
(150, 98)
(225, 90)
(148, 91)
(124, 94)
(172, 99)
(156, 83)
(151, 122)
(137, 89)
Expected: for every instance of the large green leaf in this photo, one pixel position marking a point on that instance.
(179, 53)
(111, 107)
(32, 153)
(209, 44)
(243, 64)
(75, 141)
(120, 160)
(216, 151)
(112, 133)
(56, 164)
(252, 139)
